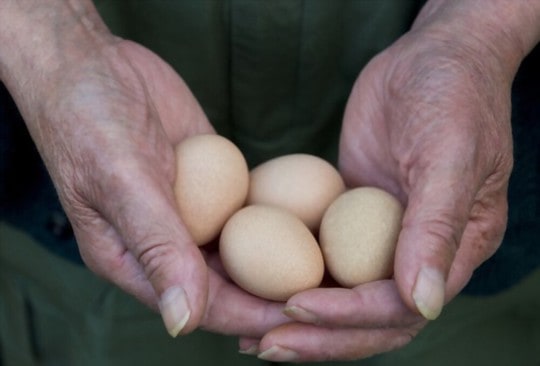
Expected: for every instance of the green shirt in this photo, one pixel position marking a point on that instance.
(272, 75)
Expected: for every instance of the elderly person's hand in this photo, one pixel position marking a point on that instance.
(429, 121)
(105, 115)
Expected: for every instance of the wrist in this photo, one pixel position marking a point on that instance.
(39, 39)
(499, 31)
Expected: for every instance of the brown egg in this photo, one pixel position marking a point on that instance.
(303, 184)
(270, 253)
(358, 235)
(212, 181)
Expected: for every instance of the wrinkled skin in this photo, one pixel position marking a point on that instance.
(430, 124)
(106, 132)
(428, 120)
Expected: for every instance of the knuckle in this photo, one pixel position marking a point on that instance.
(443, 232)
(156, 255)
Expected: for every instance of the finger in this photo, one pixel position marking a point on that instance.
(482, 237)
(371, 305)
(296, 342)
(438, 209)
(249, 346)
(233, 311)
(146, 223)
(104, 253)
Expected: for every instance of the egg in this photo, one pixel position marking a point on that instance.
(270, 253)
(358, 235)
(303, 184)
(212, 180)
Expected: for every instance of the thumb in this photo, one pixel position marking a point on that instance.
(436, 215)
(142, 246)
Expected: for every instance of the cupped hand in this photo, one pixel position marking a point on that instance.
(428, 120)
(106, 129)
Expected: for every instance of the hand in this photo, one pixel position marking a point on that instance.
(121, 120)
(105, 117)
(429, 121)
(425, 127)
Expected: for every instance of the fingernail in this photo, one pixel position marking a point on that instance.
(252, 351)
(428, 293)
(278, 354)
(174, 310)
(301, 314)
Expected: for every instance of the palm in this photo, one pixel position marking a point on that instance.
(111, 125)
(439, 135)
(422, 123)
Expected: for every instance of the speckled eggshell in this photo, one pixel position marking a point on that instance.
(212, 180)
(300, 183)
(358, 235)
(270, 253)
